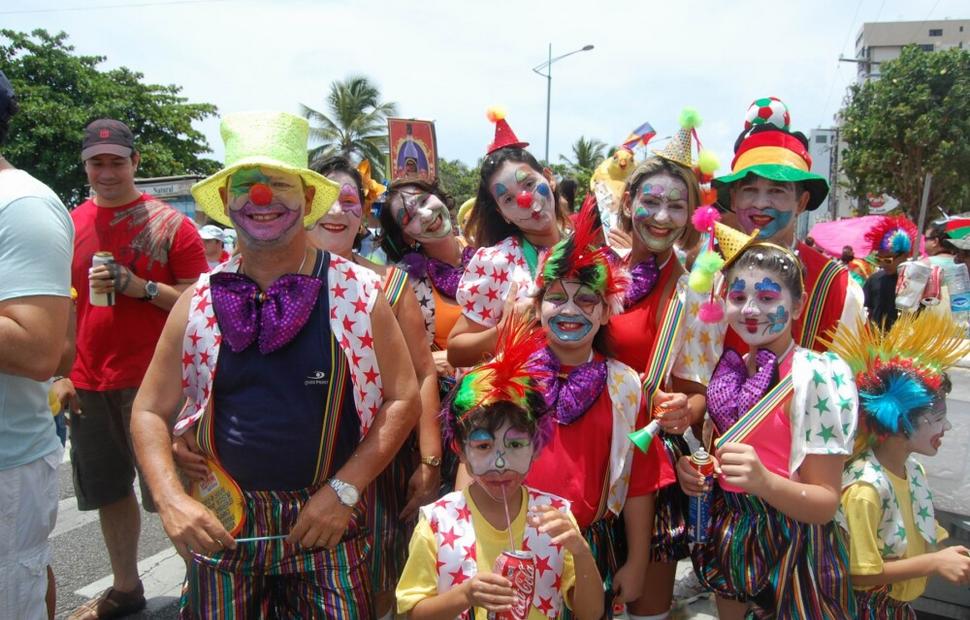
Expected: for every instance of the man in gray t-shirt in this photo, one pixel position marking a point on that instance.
(36, 243)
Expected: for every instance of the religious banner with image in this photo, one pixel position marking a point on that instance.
(413, 149)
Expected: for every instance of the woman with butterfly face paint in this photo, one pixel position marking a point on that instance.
(414, 477)
(887, 505)
(420, 238)
(595, 401)
(515, 217)
(497, 421)
(657, 334)
(785, 419)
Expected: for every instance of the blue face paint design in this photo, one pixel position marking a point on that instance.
(543, 189)
(767, 284)
(500, 190)
(777, 320)
(738, 285)
(780, 221)
(569, 335)
(480, 434)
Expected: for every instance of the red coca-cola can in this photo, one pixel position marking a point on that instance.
(932, 290)
(519, 567)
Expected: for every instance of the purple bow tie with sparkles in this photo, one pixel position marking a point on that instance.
(570, 396)
(731, 392)
(443, 276)
(274, 318)
(643, 278)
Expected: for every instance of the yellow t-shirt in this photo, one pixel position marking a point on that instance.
(863, 512)
(419, 579)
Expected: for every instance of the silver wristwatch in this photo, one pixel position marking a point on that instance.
(151, 290)
(347, 494)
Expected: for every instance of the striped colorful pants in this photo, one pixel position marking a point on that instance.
(784, 568)
(270, 579)
(876, 604)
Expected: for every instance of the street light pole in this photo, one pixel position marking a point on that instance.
(548, 75)
(548, 99)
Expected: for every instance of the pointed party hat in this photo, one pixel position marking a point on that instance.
(504, 136)
(732, 242)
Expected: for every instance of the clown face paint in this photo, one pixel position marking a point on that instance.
(336, 231)
(660, 211)
(499, 462)
(571, 314)
(266, 206)
(421, 215)
(930, 428)
(766, 205)
(759, 307)
(524, 197)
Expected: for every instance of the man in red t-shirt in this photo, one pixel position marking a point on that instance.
(157, 254)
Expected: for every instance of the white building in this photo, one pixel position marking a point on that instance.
(879, 42)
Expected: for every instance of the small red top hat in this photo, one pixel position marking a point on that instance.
(504, 136)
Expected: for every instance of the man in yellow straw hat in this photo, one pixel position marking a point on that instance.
(295, 417)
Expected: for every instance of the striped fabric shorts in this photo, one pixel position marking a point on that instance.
(271, 579)
(784, 568)
(876, 604)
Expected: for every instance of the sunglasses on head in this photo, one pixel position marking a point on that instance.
(885, 260)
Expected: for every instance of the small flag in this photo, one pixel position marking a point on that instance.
(640, 135)
(957, 228)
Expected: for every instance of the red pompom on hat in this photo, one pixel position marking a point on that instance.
(504, 136)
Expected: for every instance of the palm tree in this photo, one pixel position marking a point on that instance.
(356, 126)
(587, 154)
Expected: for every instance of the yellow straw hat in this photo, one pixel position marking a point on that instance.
(274, 140)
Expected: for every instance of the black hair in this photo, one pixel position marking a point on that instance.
(12, 108)
(392, 237)
(567, 190)
(339, 163)
(937, 231)
(486, 227)
(773, 260)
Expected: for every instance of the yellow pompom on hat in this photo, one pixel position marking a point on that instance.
(275, 140)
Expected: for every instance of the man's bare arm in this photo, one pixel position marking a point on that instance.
(32, 334)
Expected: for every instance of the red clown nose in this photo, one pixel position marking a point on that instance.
(524, 199)
(260, 194)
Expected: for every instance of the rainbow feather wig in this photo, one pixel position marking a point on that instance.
(578, 257)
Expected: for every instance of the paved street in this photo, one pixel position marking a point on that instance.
(82, 569)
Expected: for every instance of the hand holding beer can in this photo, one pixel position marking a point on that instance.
(101, 298)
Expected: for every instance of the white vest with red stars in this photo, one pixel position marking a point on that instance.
(450, 520)
(352, 292)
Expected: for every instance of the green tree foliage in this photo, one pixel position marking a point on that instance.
(914, 119)
(587, 154)
(355, 124)
(60, 92)
(458, 179)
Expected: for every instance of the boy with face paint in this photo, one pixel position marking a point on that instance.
(887, 506)
(497, 420)
(770, 185)
(515, 217)
(785, 419)
(595, 401)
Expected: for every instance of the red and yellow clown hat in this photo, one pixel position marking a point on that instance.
(769, 149)
(504, 136)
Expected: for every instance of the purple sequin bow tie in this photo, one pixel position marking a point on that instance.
(443, 276)
(731, 392)
(570, 395)
(643, 278)
(274, 318)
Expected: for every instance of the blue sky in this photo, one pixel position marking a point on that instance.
(449, 61)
